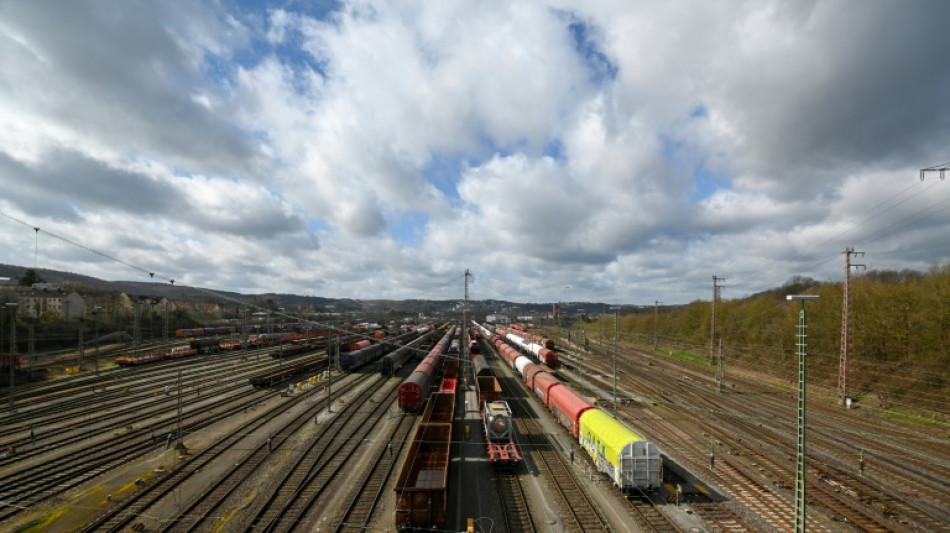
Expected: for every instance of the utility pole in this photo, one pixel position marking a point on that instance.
(181, 444)
(244, 333)
(846, 337)
(336, 348)
(722, 369)
(936, 169)
(31, 332)
(464, 336)
(137, 323)
(712, 326)
(36, 245)
(656, 318)
(12, 307)
(82, 347)
(616, 311)
(95, 314)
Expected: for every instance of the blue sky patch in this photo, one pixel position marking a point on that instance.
(684, 162)
(409, 228)
(318, 9)
(707, 183)
(180, 172)
(555, 150)
(587, 45)
(316, 226)
(443, 172)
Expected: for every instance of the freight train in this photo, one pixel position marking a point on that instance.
(499, 430)
(355, 359)
(196, 346)
(413, 391)
(422, 485)
(631, 462)
(362, 352)
(545, 355)
(207, 331)
(391, 363)
(154, 357)
(497, 423)
(497, 419)
(543, 341)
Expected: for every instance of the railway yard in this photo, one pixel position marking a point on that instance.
(241, 440)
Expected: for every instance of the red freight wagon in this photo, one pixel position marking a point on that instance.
(413, 391)
(548, 357)
(543, 382)
(529, 372)
(488, 390)
(427, 366)
(358, 345)
(568, 407)
(509, 354)
(440, 409)
(421, 492)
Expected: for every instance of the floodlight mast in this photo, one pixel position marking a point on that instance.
(800, 456)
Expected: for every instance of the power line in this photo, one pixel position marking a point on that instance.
(155, 275)
(881, 208)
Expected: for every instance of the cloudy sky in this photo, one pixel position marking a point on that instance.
(591, 150)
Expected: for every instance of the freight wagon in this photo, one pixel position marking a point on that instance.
(421, 488)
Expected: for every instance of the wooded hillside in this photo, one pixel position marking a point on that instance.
(900, 335)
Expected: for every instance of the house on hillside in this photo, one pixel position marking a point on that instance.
(70, 306)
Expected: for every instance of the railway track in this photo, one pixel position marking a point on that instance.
(208, 504)
(365, 499)
(760, 415)
(29, 487)
(74, 399)
(87, 429)
(843, 505)
(131, 509)
(818, 492)
(579, 512)
(652, 519)
(518, 516)
(314, 470)
(26, 487)
(720, 519)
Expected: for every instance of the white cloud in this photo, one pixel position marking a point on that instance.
(629, 151)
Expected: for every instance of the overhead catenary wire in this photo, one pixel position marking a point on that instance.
(154, 275)
(874, 212)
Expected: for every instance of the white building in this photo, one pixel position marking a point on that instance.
(69, 306)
